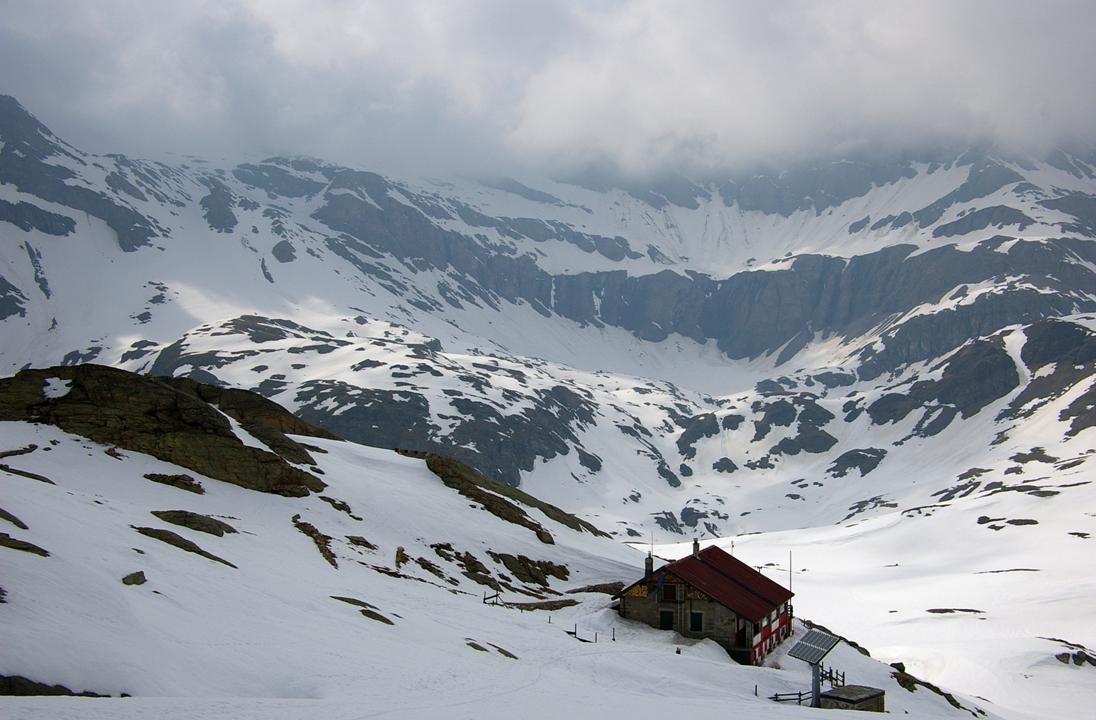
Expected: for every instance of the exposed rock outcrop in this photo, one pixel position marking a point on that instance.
(20, 686)
(493, 496)
(195, 521)
(176, 540)
(165, 419)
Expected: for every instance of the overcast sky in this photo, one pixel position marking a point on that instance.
(531, 85)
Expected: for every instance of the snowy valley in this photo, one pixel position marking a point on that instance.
(886, 367)
(364, 599)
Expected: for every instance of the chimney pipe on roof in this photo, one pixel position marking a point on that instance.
(696, 548)
(648, 565)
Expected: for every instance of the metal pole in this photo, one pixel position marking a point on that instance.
(816, 684)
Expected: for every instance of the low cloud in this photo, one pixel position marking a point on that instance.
(522, 85)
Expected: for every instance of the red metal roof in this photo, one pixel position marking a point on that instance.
(730, 582)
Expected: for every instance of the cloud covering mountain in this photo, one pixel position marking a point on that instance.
(492, 86)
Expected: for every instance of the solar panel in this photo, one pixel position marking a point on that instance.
(814, 646)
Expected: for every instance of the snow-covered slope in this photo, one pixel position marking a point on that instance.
(390, 622)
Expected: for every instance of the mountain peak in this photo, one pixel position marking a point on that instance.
(21, 130)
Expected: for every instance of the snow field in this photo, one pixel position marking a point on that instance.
(203, 640)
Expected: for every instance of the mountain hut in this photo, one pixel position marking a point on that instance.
(711, 594)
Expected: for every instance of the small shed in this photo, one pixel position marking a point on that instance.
(853, 697)
(711, 594)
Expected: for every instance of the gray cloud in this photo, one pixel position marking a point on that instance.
(500, 85)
